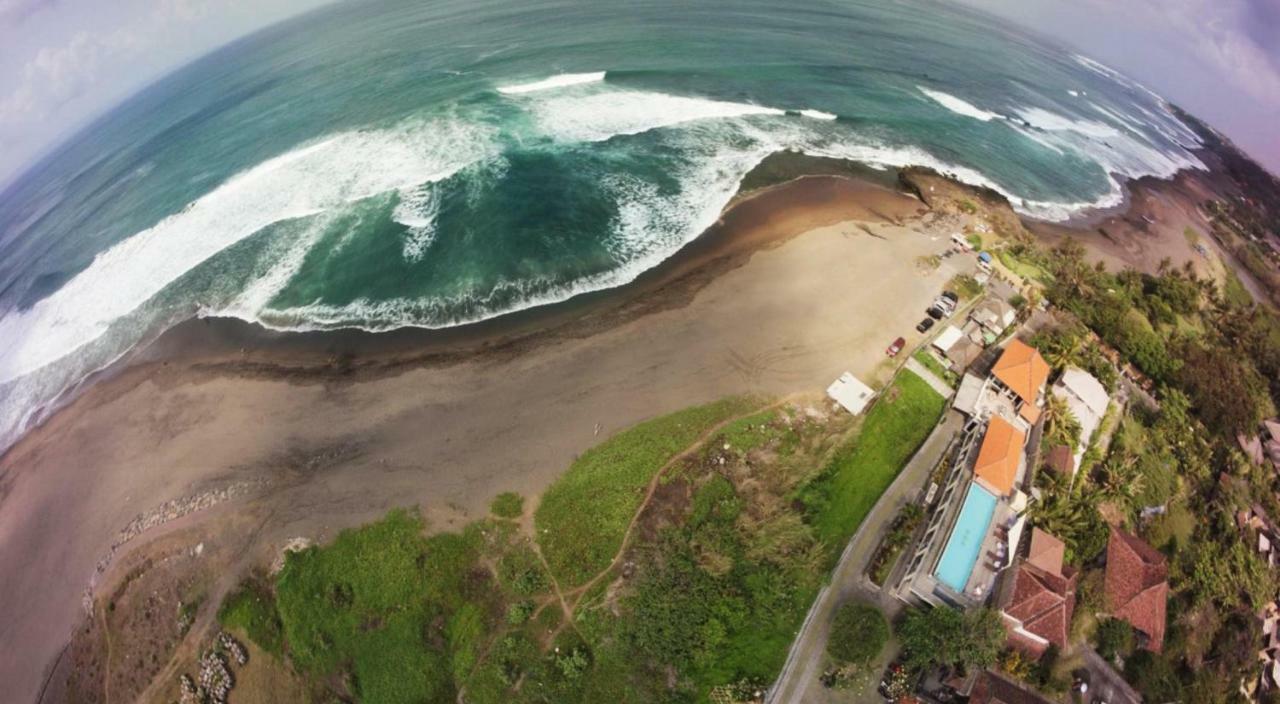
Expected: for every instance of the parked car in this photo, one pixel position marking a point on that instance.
(896, 347)
(951, 296)
(935, 312)
(925, 325)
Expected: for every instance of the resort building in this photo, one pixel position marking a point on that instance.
(1020, 375)
(1038, 598)
(1087, 400)
(977, 520)
(1000, 459)
(1137, 587)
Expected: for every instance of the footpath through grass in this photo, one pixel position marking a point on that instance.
(901, 419)
(583, 516)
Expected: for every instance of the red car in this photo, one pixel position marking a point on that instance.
(896, 347)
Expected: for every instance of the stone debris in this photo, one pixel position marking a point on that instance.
(214, 681)
(293, 545)
(233, 647)
(189, 693)
(168, 511)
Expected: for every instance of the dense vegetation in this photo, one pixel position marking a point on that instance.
(583, 516)
(1172, 471)
(858, 633)
(715, 571)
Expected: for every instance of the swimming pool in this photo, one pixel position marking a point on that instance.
(961, 553)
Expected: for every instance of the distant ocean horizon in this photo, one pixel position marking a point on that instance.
(383, 163)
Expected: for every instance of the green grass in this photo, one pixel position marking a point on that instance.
(858, 474)
(251, 609)
(584, 515)
(930, 362)
(508, 504)
(1027, 270)
(1233, 290)
(385, 606)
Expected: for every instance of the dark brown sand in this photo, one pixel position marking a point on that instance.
(336, 429)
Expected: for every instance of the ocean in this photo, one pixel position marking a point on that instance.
(384, 163)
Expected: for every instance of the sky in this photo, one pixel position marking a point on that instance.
(65, 62)
(1218, 59)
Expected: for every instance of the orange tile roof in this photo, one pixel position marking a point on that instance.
(1022, 369)
(1029, 412)
(998, 458)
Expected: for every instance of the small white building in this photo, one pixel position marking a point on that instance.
(1087, 399)
(851, 393)
(948, 337)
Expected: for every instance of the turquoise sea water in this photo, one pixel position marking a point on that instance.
(386, 163)
(965, 543)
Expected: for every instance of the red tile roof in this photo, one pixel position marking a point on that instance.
(995, 689)
(1137, 586)
(1022, 369)
(1060, 460)
(1042, 597)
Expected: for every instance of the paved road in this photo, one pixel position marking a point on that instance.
(804, 662)
(923, 372)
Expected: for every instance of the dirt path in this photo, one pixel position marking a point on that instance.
(581, 591)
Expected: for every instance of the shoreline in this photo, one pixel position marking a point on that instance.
(798, 282)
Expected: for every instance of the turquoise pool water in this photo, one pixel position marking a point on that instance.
(961, 553)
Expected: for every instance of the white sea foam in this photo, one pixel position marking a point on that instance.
(1045, 120)
(417, 211)
(561, 81)
(960, 107)
(597, 116)
(306, 181)
(818, 114)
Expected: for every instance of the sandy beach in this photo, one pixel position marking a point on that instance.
(323, 449)
(247, 439)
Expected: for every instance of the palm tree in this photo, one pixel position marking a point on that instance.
(1065, 351)
(1062, 512)
(1061, 427)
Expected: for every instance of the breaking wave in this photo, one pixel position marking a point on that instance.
(960, 107)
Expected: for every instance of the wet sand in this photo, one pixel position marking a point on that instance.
(336, 430)
(798, 283)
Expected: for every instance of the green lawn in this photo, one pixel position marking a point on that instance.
(930, 362)
(584, 515)
(1027, 270)
(1233, 290)
(838, 500)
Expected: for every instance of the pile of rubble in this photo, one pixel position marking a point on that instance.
(233, 648)
(168, 511)
(214, 681)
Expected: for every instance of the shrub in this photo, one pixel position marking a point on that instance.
(1115, 637)
(858, 633)
(252, 609)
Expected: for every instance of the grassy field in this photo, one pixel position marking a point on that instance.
(583, 516)
(930, 362)
(1233, 290)
(838, 500)
(722, 569)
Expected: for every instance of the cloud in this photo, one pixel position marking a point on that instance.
(15, 12)
(1237, 38)
(59, 74)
